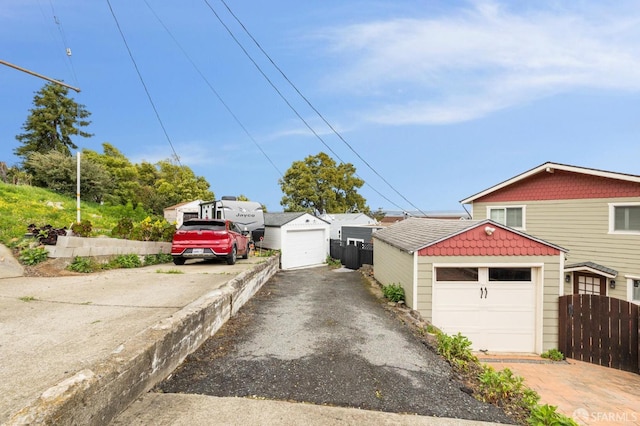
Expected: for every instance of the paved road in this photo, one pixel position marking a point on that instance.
(322, 337)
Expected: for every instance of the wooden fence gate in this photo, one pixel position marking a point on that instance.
(601, 330)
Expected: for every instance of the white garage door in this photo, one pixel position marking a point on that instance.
(304, 248)
(493, 307)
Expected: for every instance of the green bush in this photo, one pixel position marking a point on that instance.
(156, 259)
(33, 256)
(334, 263)
(82, 229)
(123, 229)
(84, 265)
(455, 349)
(498, 386)
(553, 354)
(543, 415)
(393, 292)
(126, 261)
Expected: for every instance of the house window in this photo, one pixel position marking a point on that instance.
(624, 218)
(510, 216)
(509, 274)
(633, 294)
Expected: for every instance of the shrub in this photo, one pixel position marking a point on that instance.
(123, 229)
(553, 354)
(33, 256)
(126, 261)
(547, 415)
(500, 386)
(83, 264)
(455, 349)
(393, 292)
(82, 229)
(334, 263)
(155, 259)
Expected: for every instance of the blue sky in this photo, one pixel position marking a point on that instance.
(441, 98)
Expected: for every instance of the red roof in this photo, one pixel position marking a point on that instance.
(477, 242)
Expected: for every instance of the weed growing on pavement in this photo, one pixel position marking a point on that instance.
(33, 256)
(393, 292)
(157, 259)
(169, 271)
(27, 298)
(553, 354)
(333, 263)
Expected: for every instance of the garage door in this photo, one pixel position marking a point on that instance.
(493, 307)
(304, 248)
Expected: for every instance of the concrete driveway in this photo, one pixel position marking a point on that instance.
(588, 393)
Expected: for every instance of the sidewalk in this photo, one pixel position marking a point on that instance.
(64, 335)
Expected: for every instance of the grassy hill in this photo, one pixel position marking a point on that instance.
(21, 206)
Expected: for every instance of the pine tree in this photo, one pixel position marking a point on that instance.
(52, 121)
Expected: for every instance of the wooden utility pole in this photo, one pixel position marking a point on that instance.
(39, 75)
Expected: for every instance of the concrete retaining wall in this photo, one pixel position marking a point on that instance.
(93, 247)
(95, 396)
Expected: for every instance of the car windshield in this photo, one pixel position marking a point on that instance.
(203, 225)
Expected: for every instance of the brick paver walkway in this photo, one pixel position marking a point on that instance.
(590, 394)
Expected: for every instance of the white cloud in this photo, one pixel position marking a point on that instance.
(475, 61)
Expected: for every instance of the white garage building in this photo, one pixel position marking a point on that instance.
(302, 239)
(497, 286)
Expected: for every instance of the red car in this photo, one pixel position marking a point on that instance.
(209, 239)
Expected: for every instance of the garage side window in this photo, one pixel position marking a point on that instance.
(510, 216)
(457, 274)
(509, 274)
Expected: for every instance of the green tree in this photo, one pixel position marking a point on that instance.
(53, 120)
(57, 171)
(126, 183)
(166, 183)
(318, 184)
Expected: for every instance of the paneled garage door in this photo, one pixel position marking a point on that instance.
(304, 248)
(493, 307)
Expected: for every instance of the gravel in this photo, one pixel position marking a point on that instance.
(323, 337)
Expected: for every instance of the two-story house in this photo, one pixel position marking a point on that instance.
(595, 214)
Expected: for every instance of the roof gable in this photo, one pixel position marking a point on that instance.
(553, 181)
(498, 242)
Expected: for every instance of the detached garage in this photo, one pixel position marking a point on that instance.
(302, 239)
(495, 285)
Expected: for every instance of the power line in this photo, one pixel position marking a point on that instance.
(135, 65)
(285, 99)
(215, 92)
(66, 45)
(314, 108)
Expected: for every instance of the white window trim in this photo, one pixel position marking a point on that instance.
(612, 218)
(355, 240)
(630, 280)
(524, 215)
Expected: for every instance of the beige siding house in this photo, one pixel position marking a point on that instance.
(594, 214)
(495, 285)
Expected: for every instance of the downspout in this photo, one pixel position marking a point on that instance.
(465, 209)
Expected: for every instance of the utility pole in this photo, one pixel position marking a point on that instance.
(39, 75)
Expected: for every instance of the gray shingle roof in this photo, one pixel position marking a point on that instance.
(279, 219)
(415, 233)
(592, 265)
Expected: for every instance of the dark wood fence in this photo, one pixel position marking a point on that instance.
(350, 255)
(601, 330)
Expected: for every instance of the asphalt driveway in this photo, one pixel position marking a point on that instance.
(320, 336)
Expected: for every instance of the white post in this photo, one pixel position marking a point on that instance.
(78, 189)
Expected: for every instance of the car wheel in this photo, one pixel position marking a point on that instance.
(231, 258)
(179, 260)
(246, 253)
